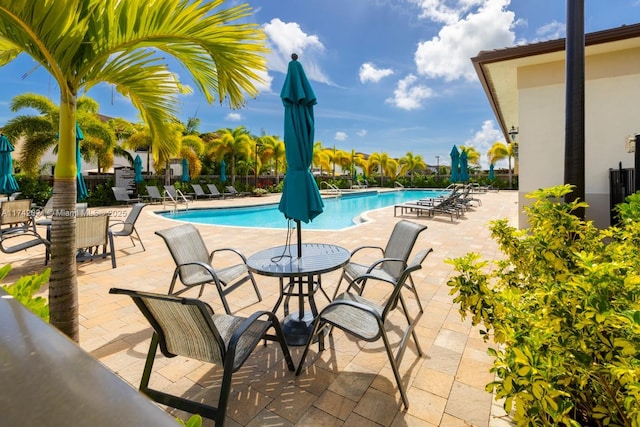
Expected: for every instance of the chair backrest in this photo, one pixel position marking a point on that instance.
(47, 210)
(184, 325)
(186, 246)
(153, 192)
(171, 190)
(198, 190)
(400, 244)
(130, 220)
(120, 194)
(231, 189)
(413, 265)
(213, 189)
(92, 230)
(15, 212)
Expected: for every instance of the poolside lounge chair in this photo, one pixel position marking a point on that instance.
(17, 227)
(154, 194)
(175, 196)
(194, 264)
(127, 228)
(188, 327)
(393, 262)
(231, 191)
(214, 190)
(199, 192)
(367, 320)
(122, 195)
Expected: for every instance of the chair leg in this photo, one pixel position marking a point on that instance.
(316, 327)
(396, 372)
(343, 276)
(412, 287)
(255, 286)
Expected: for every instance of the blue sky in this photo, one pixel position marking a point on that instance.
(390, 75)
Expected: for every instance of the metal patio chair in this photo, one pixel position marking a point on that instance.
(17, 227)
(393, 261)
(127, 228)
(194, 264)
(188, 327)
(369, 320)
(122, 195)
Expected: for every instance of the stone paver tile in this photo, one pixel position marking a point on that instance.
(315, 380)
(335, 405)
(443, 359)
(470, 404)
(452, 340)
(402, 419)
(268, 418)
(292, 403)
(352, 384)
(317, 417)
(356, 419)
(433, 381)
(426, 406)
(378, 407)
(246, 404)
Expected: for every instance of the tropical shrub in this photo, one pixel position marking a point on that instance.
(36, 189)
(563, 307)
(24, 289)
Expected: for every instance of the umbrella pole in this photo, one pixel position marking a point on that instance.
(299, 231)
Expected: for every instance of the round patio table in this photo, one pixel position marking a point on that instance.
(283, 262)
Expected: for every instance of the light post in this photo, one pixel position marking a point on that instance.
(255, 182)
(513, 132)
(437, 168)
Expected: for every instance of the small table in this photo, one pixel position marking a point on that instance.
(283, 262)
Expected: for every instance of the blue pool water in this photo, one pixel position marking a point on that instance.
(339, 213)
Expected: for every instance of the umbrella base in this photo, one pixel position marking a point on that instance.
(296, 330)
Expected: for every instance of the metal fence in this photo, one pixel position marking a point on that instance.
(621, 185)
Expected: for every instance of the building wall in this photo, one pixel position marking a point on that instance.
(612, 114)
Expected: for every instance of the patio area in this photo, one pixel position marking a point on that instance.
(347, 384)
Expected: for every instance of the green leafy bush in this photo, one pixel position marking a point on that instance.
(25, 287)
(564, 308)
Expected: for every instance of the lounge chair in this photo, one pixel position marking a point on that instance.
(127, 228)
(175, 196)
(188, 327)
(367, 320)
(194, 264)
(17, 227)
(154, 194)
(199, 192)
(122, 195)
(231, 191)
(393, 261)
(214, 190)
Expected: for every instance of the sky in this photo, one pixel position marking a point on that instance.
(391, 76)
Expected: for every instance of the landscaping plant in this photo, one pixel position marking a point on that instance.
(24, 289)
(563, 308)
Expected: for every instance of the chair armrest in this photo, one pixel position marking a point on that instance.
(235, 251)
(365, 247)
(382, 260)
(207, 267)
(113, 222)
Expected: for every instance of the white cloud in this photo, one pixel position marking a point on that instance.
(551, 31)
(233, 117)
(409, 95)
(340, 136)
(265, 85)
(286, 38)
(483, 139)
(362, 132)
(369, 73)
(472, 26)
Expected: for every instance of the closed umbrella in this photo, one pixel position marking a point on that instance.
(185, 171)
(137, 169)
(223, 171)
(455, 164)
(81, 186)
(464, 167)
(492, 174)
(8, 183)
(300, 199)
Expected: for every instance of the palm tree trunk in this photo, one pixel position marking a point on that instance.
(63, 286)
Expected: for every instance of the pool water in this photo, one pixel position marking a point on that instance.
(339, 213)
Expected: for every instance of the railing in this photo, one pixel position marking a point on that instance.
(180, 198)
(398, 185)
(332, 188)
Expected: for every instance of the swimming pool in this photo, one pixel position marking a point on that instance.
(339, 212)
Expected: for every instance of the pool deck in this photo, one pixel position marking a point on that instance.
(347, 384)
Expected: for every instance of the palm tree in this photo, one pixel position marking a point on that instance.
(273, 148)
(321, 159)
(385, 164)
(236, 143)
(84, 42)
(473, 156)
(411, 163)
(500, 151)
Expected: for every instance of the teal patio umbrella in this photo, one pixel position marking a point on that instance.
(492, 174)
(300, 199)
(81, 186)
(455, 164)
(464, 167)
(185, 171)
(137, 169)
(8, 183)
(223, 171)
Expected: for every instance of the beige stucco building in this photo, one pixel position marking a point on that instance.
(525, 86)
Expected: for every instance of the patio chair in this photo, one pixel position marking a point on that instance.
(369, 321)
(176, 195)
(127, 228)
(199, 192)
(214, 190)
(122, 195)
(93, 239)
(231, 191)
(394, 259)
(17, 227)
(188, 327)
(154, 194)
(194, 264)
